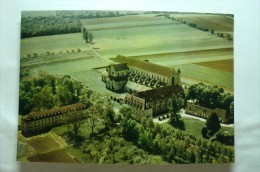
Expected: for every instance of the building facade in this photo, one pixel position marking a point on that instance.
(203, 112)
(37, 121)
(133, 75)
(153, 102)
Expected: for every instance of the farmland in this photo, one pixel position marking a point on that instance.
(123, 22)
(188, 57)
(154, 39)
(207, 75)
(219, 23)
(225, 65)
(53, 44)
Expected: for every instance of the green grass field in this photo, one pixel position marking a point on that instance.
(154, 39)
(80, 69)
(55, 43)
(124, 21)
(189, 57)
(194, 127)
(208, 75)
(219, 23)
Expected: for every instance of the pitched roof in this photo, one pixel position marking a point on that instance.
(159, 93)
(151, 67)
(120, 67)
(52, 112)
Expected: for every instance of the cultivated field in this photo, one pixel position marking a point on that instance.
(219, 23)
(55, 44)
(155, 39)
(192, 73)
(224, 65)
(124, 21)
(189, 57)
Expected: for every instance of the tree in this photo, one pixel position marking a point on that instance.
(74, 121)
(108, 117)
(90, 36)
(213, 124)
(175, 117)
(231, 109)
(92, 115)
(113, 145)
(86, 36)
(204, 132)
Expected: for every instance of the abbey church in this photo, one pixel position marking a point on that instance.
(148, 86)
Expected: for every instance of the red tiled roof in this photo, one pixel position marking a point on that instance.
(52, 112)
(159, 93)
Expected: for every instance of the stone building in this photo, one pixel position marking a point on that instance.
(133, 75)
(38, 121)
(116, 76)
(153, 102)
(203, 112)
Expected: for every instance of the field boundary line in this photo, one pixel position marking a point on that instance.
(98, 55)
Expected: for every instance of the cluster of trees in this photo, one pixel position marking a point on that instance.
(48, 91)
(87, 36)
(82, 14)
(63, 22)
(211, 97)
(211, 131)
(173, 145)
(212, 126)
(49, 25)
(175, 117)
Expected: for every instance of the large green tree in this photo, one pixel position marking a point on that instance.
(175, 117)
(213, 124)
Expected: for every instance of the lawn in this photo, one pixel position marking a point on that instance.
(194, 127)
(55, 43)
